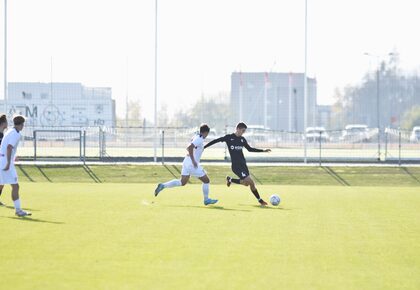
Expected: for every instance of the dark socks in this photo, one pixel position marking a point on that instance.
(235, 180)
(257, 195)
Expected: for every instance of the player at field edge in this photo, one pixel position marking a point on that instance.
(8, 174)
(191, 166)
(235, 143)
(3, 127)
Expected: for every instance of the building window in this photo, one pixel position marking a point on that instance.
(44, 95)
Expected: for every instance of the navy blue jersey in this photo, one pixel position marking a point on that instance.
(235, 145)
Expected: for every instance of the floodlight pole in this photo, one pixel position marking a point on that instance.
(156, 84)
(305, 87)
(5, 58)
(378, 86)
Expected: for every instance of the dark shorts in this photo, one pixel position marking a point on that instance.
(241, 170)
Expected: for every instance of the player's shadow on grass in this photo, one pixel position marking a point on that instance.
(30, 219)
(210, 207)
(266, 207)
(26, 208)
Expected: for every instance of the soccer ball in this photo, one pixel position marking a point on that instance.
(275, 199)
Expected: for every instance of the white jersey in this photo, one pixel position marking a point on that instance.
(198, 142)
(11, 137)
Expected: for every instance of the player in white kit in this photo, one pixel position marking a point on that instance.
(191, 166)
(3, 127)
(8, 174)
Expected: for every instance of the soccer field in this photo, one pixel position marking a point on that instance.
(118, 236)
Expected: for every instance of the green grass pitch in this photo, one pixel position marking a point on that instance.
(115, 235)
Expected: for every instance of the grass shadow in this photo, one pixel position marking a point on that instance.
(25, 173)
(176, 170)
(334, 175)
(170, 171)
(256, 178)
(411, 174)
(43, 173)
(91, 174)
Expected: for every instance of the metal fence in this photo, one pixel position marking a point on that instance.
(137, 144)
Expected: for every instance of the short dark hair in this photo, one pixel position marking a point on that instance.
(241, 125)
(204, 128)
(18, 120)
(3, 118)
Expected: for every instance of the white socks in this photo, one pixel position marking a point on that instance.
(172, 183)
(17, 204)
(177, 182)
(206, 190)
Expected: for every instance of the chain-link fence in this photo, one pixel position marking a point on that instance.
(138, 144)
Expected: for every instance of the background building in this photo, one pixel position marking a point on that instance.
(61, 104)
(272, 100)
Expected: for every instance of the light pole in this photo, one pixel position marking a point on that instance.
(5, 57)
(305, 87)
(378, 107)
(156, 84)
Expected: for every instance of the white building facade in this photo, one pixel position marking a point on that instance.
(60, 104)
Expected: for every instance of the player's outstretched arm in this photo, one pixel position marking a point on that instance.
(221, 139)
(252, 149)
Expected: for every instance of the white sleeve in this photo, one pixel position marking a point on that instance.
(197, 141)
(14, 138)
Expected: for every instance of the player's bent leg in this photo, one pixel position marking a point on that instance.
(184, 179)
(170, 184)
(254, 190)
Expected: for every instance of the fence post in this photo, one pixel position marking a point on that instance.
(225, 144)
(399, 146)
(379, 144)
(84, 146)
(80, 145)
(320, 148)
(386, 144)
(34, 145)
(100, 142)
(163, 147)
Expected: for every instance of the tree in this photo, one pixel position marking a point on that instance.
(209, 111)
(411, 118)
(398, 93)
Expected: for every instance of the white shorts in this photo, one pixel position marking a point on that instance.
(9, 176)
(189, 169)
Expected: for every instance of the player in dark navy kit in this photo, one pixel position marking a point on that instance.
(235, 143)
(3, 127)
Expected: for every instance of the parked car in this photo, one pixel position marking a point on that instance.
(315, 134)
(415, 135)
(257, 133)
(356, 133)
